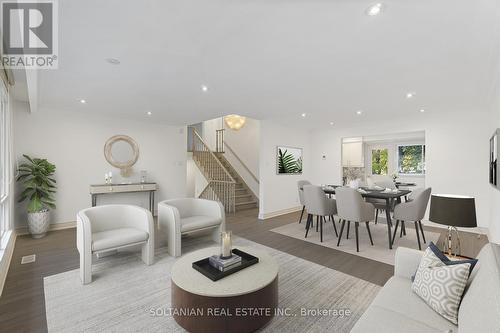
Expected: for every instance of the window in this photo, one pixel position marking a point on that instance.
(5, 160)
(411, 159)
(379, 161)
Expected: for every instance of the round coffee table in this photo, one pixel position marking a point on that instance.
(242, 302)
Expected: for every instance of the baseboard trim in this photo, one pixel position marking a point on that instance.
(6, 258)
(264, 216)
(56, 226)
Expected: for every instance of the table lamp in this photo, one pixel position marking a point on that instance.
(453, 211)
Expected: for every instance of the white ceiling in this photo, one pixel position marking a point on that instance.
(273, 58)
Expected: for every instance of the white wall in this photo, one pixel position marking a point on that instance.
(74, 142)
(278, 193)
(196, 182)
(245, 144)
(494, 193)
(209, 127)
(190, 176)
(456, 149)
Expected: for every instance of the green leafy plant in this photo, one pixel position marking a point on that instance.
(39, 187)
(412, 159)
(287, 163)
(379, 161)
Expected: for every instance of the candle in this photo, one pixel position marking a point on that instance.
(226, 244)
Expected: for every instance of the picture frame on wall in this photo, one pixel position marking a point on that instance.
(494, 154)
(288, 160)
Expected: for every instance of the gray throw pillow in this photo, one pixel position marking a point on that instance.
(441, 286)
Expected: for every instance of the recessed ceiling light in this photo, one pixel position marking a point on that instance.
(422, 110)
(113, 61)
(303, 115)
(204, 88)
(331, 123)
(410, 95)
(359, 112)
(83, 101)
(149, 113)
(375, 9)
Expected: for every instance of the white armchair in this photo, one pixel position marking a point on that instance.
(111, 227)
(183, 216)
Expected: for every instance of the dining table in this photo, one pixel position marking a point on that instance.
(389, 198)
(404, 184)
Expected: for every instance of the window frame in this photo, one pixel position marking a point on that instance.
(5, 161)
(422, 174)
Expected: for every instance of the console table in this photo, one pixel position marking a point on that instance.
(98, 189)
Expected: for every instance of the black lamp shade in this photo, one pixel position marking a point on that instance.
(455, 211)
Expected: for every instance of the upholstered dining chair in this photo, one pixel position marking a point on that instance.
(413, 210)
(108, 228)
(380, 204)
(319, 205)
(352, 208)
(177, 217)
(386, 182)
(300, 187)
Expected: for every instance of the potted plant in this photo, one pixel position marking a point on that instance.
(36, 176)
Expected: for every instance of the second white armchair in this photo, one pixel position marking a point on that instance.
(182, 216)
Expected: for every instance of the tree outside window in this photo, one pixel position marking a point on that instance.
(411, 159)
(379, 161)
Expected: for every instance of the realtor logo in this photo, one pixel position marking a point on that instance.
(29, 34)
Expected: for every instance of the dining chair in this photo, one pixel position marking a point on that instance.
(352, 208)
(413, 210)
(319, 205)
(386, 182)
(300, 187)
(380, 205)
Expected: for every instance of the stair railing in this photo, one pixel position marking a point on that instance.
(219, 141)
(221, 185)
(242, 163)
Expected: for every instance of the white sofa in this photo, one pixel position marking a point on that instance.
(111, 227)
(182, 216)
(397, 309)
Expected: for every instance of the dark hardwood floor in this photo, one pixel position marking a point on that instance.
(245, 224)
(22, 304)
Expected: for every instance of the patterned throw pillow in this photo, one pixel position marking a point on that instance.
(441, 286)
(448, 261)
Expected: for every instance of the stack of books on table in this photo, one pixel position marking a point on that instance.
(224, 264)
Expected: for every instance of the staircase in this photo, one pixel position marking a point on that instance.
(224, 183)
(244, 197)
(221, 185)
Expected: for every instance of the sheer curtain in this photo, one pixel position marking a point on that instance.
(6, 174)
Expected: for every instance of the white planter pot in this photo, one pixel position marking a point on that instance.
(38, 223)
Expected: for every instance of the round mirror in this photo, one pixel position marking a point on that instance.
(121, 151)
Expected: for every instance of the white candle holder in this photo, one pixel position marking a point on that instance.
(226, 245)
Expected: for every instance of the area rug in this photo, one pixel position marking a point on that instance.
(127, 296)
(379, 251)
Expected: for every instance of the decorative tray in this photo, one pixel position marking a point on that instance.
(203, 266)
